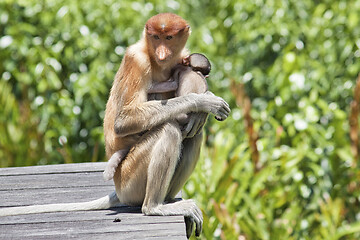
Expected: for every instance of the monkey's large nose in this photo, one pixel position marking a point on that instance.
(162, 52)
(162, 56)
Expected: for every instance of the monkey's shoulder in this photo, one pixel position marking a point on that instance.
(138, 54)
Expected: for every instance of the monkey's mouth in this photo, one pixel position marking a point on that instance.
(162, 61)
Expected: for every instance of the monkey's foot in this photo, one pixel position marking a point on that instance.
(187, 208)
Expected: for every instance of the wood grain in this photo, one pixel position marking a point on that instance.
(74, 183)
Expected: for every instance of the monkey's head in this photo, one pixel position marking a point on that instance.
(166, 35)
(199, 62)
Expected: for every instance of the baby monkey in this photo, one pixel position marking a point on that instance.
(188, 77)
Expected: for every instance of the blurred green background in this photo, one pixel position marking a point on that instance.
(280, 167)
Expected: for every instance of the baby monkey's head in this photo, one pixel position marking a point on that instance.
(198, 62)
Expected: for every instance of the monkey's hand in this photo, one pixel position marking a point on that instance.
(163, 87)
(195, 123)
(186, 61)
(209, 103)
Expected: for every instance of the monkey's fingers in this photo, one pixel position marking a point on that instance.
(198, 222)
(189, 224)
(202, 120)
(195, 128)
(227, 108)
(186, 61)
(217, 106)
(196, 122)
(222, 115)
(219, 119)
(224, 112)
(189, 126)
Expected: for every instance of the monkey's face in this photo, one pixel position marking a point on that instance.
(165, 46)
(166, 35)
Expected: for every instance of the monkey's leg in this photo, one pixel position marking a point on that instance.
(189, 157)
(193, 137)
(164, 159)
(132, 174)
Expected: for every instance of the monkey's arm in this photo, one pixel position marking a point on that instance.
(135, 115)
(163, 87)
(172, 84)
(136, 119)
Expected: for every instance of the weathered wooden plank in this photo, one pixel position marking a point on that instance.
(18, 190)
(14, 182)
(94, 223)
(26, 197)
(74, 183)
(53, 195)
(128, 215)
(79, 228)
(148, 235)
(51, 169)
(94, 226)
(153, 235)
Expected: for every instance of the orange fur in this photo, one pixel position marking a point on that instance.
(166, 23)
(139, 68)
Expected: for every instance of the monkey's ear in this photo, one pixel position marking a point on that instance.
(187, 29)
(148, 28)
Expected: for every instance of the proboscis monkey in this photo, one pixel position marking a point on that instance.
(160, 159)
(188, 77)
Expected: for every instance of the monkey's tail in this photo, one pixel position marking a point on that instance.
(102, 203)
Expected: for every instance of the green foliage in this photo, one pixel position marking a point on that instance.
(298, 61)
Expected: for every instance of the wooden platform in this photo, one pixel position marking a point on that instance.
(74, 183)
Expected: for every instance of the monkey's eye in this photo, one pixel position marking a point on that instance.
(156, 37)
(168, 37)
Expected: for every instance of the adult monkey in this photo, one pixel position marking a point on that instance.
(189, 77)
(160, 160)
(155, 169)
